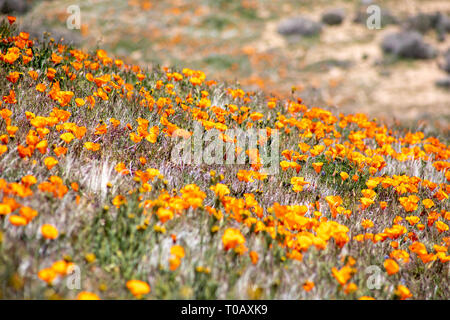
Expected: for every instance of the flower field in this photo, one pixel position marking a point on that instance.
(93, 207)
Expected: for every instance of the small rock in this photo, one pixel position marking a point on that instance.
(333, 16)
(13, 6)
(444, 83)
(422, 22)
(408, 44)
(299, 26)
(447, 61)
(442, 26)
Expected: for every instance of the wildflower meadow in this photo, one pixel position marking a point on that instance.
(124, 182)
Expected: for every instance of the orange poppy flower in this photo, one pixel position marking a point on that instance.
(403, 292)
(138, 288)
(92, 146)
(49, 232)
(232, 238)
(317, 166)
(298, 183)
(308, 286)
(50, 162)
(67, 137)
(85, 295)
(17, 220)
(391, 266)
(344, 176)
(47, 275)
(11, 19)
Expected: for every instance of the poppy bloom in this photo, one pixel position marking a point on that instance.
(344, 176)
(254, 257)
(17, 220)
(232, 238)
(13, 77)
(366, 223)
(174, 263)
(11, 19)
(119, 200)
(428, 203)
(317, 166)
(50, 162)
(49, 232)
(85, 295)
(67, 137)
(28, 213)
(164, 214)
(412, 220)
(350, 288)
(80, 102)
(47, 275)
(403, 292)
(92, 146)
(308, 286)
(220, 190)
(121, 168)
(366, 202)
(441, 226)
(391, 266)
(343, 275)
(138, 288)
(177, 253)
(298, 183)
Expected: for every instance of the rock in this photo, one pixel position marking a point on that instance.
(442, 26)
(444, 83)
(447, 61)
(408, 44)
(422, 22)
(299, 26)
(444, 23)
(14, 6)
(386, 17)
(333, 16)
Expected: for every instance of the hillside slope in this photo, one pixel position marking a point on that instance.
(95, 206)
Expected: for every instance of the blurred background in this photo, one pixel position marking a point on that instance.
(322, 50)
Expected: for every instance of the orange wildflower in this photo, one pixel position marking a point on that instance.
(50, 162)
(49, 232)
(232, 238)
(391, 266)
(308, 286)
(253, 257)
(17, 220)
(403, 292)
(317, 166)
(85, 295)
(138, 288)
